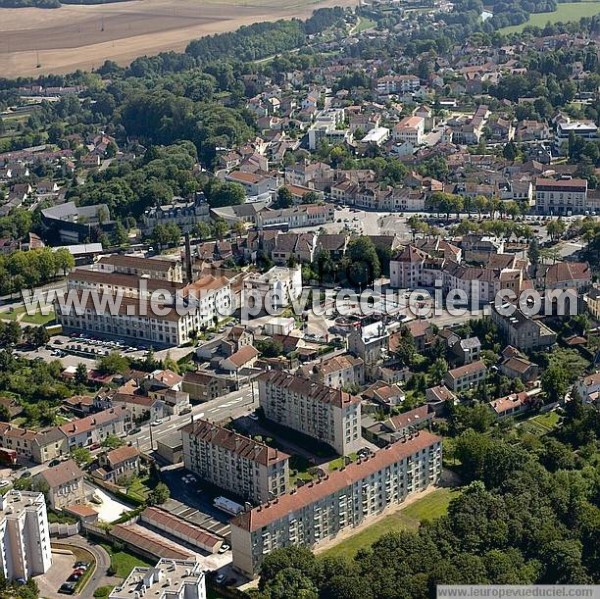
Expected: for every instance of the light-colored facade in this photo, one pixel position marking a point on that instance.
(65, 484)
(97, 427)
(246, 468)
(465, 378)
(344, 499)
(411, 129)
(277, 287)
(337, 372)
(125, 315)
(24, 535)
(561, 197)
(328, 415)
(169, 579)
(154, 268)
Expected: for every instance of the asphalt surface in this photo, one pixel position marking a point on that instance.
(221, 409)
(99, 577)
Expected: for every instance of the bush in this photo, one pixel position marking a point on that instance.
(102, 592)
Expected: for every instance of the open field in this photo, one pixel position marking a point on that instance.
(71, 37)
(431, 506)
(568, 11)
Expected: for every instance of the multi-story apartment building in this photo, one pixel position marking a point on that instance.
(250, 470)
(565, 196)
(344, 499)
(186, 215)
(466, 377)
(24, 535)
(482, 284)
(585, 129)
(397, 84)
(521, 331)
(306, 215)
(337, 372)
(153, 268)
(329, 415)
(410, 128)
(169, 579)
(414, 268)
(129, 309)
(97, 427)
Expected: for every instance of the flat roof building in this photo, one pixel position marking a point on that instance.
(24, 535)
(169, 579)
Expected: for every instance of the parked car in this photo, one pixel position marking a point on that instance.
(85, 565)
(224, 548)
(67, 588)
(219, 578)
(54, 463)
(25, 474)
(74, 577)
(135, 431)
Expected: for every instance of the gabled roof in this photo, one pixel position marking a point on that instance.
(62, 474)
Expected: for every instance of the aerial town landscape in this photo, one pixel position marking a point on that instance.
(299, 300)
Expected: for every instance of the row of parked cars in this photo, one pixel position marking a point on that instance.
(68, 588)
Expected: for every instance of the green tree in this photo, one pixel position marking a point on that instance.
(555, 383)
(364, 264)
(285, 198)
(114, 363)
(112, 442)
(159, 494)
(81, 455)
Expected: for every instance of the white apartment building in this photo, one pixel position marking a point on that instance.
(328, 415)
(584, 129)
(320, 510)
(297, 217)
(337, 372)
(467, 377)
(24, 535)
(169, 579)
(411, 129)
(124, 306)
(398, 84)
(275, 288)
(565, 196)
(249, 469)
(370, 343)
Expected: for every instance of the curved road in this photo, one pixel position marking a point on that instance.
(99, 576)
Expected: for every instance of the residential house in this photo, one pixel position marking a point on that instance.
(467, 377)
(65, 484)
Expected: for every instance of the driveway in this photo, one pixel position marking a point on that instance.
(99, 577)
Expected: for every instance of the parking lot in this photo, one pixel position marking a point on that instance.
(193, 502)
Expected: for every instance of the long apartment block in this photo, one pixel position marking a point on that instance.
(249, 469)
(320, 510)
(326, 414)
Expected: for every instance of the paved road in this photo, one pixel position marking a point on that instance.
(221, 409)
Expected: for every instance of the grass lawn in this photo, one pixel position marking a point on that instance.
(430, 507)
(125, 562)
(568, 11)
(541, 424)
(12, 315)
(139, 488)
(38, 318)
(365, 24)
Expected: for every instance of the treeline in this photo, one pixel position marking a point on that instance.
(29, 3)
(261, 40)
(26, 270)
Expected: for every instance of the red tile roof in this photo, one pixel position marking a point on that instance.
(263, 515)
(309, 388)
